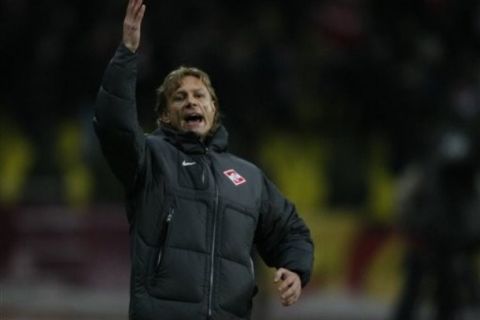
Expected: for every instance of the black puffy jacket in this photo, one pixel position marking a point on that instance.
(195, 212)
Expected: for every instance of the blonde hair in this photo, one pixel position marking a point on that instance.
(172, 82)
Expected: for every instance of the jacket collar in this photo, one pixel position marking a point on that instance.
(190, 143)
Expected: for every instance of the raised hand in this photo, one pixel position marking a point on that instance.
(132, 24)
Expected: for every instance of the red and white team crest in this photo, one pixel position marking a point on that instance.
(235, 177)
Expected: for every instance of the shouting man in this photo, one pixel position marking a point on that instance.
(195, 210)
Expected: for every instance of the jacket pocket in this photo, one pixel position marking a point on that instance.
(176, 273)
(165, 233)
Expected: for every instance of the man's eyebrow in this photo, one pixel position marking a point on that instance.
(195, 90)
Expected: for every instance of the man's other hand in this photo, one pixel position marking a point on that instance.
(289, 286)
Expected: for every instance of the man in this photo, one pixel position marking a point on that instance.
(195, 210)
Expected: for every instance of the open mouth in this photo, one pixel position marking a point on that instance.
(193, 119)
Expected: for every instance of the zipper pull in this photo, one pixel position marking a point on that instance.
(169, 216)
(164, 235)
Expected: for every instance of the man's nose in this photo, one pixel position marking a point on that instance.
(191, 100)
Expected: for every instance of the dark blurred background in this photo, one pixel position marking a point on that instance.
(364, 112)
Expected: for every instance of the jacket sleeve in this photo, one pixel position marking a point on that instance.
(115, 122)
(282, 238)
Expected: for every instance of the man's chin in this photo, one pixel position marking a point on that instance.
(198, 132)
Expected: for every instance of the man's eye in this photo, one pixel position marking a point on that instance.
(200, 95)
(177, 98)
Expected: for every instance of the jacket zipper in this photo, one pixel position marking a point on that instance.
(252, 267)
(214, 235)
(168, 219)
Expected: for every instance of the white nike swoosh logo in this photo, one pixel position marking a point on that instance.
(186, 164)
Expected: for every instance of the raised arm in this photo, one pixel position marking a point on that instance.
(121, 138)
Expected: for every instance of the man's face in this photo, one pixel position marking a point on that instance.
(190, 107)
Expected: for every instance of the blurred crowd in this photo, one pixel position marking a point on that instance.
(353, 73)
(347, 71)
(365, 90)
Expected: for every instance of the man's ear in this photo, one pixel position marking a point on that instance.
(165, 117)
(214, 103)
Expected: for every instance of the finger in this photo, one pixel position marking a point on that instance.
(130, 6)
(286, 283)
(137, 6)
(279, 274)
(291, 301)
(134, 8)
(292, 298)
(140, 14)
(284, 286)
(289, 293)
